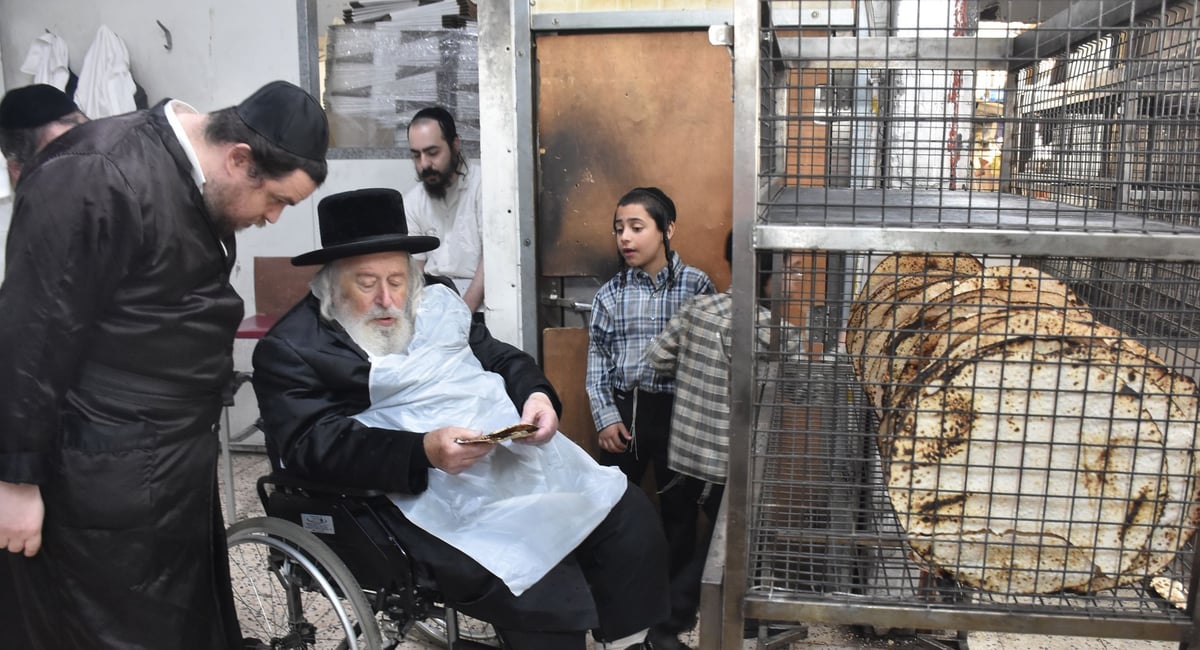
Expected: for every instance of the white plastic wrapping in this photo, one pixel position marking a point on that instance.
(377, 75)
(522, 508)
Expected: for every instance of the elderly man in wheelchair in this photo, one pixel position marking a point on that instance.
(380, 383)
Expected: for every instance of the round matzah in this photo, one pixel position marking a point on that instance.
(963, 298)
(885, 319)
(908, 344)
(900, 264)
(897, 265)
(915, 351)
(937, 320)
(869, 314)
(1039, 467)
(912, 302)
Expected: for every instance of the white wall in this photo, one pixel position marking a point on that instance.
(221, 49)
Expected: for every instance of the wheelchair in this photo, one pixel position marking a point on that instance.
(321, 572)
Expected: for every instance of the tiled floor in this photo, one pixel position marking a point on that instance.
(247, 467)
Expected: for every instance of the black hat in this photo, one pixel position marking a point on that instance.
(289, 118)
(32, 106)
(362, 222)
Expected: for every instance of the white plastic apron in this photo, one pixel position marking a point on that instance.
(522, 508)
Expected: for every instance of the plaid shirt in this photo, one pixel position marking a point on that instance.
(695, 349)
(626, 316)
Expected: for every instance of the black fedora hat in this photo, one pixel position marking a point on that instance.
(362, 222)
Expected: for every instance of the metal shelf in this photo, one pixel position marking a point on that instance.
(945, 221)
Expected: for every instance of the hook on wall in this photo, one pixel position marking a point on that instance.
(166, 35)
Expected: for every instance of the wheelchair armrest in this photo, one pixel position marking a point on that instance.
(239, 378)
(235, 384)
(281, 480)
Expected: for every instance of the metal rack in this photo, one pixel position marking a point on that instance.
(865, 131)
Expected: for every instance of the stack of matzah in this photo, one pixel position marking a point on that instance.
(1026, 447)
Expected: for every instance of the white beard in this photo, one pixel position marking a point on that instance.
(378, 340)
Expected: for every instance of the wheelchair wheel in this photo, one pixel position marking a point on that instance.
(469, 629)
(293, 593)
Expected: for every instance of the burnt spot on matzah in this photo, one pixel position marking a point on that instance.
(1128, 391)
(1095, 473)
(937, 504)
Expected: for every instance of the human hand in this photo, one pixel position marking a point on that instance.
(21, 514)
(449, 456)
(539, 411)
(615, 438)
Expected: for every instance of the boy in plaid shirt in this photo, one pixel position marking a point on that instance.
(694, 349)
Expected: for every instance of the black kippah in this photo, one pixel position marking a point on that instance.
(661, 196)
(289, 118)
(32, 106)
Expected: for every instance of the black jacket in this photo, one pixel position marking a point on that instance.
(116, 335)
(311, 378)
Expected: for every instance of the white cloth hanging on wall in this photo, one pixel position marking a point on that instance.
(105, 83)
(47, 61)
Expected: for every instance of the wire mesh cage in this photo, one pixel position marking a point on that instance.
(925, 107)
(985, 225)
(991, 433)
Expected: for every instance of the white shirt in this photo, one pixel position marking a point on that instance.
(172, 109)
(457, 220)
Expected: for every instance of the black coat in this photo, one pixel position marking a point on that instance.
(116, 335)
(311, 378)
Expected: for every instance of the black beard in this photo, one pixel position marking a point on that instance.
(436, 189)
